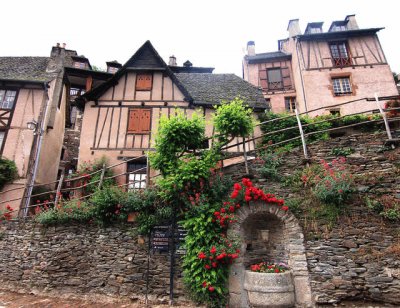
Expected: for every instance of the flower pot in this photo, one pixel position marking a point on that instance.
(269, 289)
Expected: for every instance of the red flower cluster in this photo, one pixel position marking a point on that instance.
(6, 215)
(214, 258)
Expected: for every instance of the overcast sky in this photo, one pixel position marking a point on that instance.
(208, 33)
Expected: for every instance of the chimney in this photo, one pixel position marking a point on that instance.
(251, 48)
(352, 22)
(58, 45)
(172, 61)
(293, 27)
(63, 45)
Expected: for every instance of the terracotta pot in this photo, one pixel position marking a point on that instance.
(269, 289)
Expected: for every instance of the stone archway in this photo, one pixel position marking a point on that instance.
(286, 243)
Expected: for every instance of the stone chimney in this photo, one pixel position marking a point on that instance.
(352, 22)
(293, 27)
(251, 48)
(172, 61)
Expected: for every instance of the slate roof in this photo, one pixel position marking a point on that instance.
(267, 56)
(24, 69)
(211, 89)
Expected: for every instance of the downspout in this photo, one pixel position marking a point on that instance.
(301, 75)
(39, 131)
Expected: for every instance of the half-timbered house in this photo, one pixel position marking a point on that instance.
(122, 115)
(318, 69)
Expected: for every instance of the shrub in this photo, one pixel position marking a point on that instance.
(270, 161)
(65, 212)
(8, 171)
(7, 213)
(91, 181)
(387, 206)
(108, 205)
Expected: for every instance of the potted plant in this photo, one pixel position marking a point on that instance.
(269, 285)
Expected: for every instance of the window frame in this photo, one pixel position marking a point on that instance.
(342, 86)
(3, 142)
(4, 98)
(291, 100)
(269, 83)
(143, 175)
(340, 56)
(139, 132)
(143, 85)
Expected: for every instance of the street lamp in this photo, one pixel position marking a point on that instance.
(34, 126)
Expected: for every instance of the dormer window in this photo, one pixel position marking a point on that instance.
(314, 27)
(340, 25)
(81, 65)
(7, 99)
(338, 28)
(112, 69)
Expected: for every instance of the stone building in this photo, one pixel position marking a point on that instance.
(318, 69)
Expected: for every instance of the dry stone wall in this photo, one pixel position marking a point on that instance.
(359, 256)
(81, 260)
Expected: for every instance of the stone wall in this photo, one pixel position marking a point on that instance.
(359, 256)
(83, 261)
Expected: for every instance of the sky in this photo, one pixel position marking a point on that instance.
(210, 33)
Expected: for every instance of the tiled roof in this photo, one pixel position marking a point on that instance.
(211, 89)
(267, 56)
(24, 68)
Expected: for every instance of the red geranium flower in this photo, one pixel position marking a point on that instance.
(211, 288)
(213, 250)
(202, 255)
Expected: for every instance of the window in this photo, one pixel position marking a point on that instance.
(335, 112)
(2, 134)
(274, 79)
(290, 104)
(7, 98)
(80, 64)
(340, 55)
(112, 69)
(137, 175)
(144, 81)
(339, 28)
(315, 30)
(139, 121)
(341, 86)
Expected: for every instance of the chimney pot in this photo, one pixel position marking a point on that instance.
(63, 45)
(251, 48)
(352, 22)
(58, 45)
(172, 61)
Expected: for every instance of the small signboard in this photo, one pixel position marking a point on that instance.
(161, 238)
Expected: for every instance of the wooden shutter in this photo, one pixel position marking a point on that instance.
(287, 83)
(139, 121)
(144, 81)
(263, 79)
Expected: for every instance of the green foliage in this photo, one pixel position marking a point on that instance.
(310, 125)
(8, 171)
(269, 163)
(387, 206)
(108, 203)
(176, 135)
(342, 151)
(233, 119)
(91, 180)
(70, 211)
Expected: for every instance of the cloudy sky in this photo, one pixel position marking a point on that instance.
(209, 33)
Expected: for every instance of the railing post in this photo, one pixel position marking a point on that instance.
(303, 140)
(102, 175)
(389, 134)
(59, 186)
(246, 165)
(147, 170)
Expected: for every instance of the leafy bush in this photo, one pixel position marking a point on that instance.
(269, 163)
(91, 181)
(233, 119)
(7, 213)
(108, 205)
(8, 171)
(67, 212)
(387, 206)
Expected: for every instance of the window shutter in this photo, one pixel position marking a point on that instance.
(263, 79)
(144, 82)
(139, 121)
(286, 77)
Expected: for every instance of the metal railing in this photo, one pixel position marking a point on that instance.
(75, 186)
